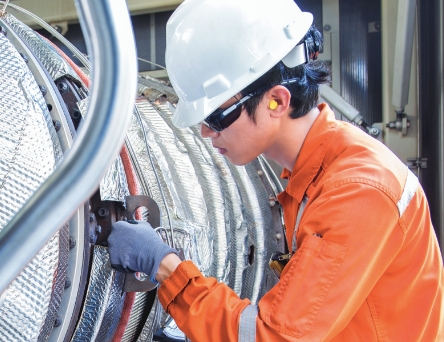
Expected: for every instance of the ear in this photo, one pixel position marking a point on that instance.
(278, 100)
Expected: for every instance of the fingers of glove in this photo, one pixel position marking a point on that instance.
(125, 234)
(127, 242)
(136, 246)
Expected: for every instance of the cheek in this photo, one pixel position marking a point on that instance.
(243, 150)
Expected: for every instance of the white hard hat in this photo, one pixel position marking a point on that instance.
(216, 48)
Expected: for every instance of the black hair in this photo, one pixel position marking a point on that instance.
(304, 92)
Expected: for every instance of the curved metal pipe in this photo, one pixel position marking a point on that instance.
(107, 29)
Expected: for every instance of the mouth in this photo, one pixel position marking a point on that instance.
(220, 149)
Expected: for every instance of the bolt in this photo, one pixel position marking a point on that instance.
(98, 229)
(260, 172)
(103, 212)
(62, 87)
(327, 27)
(57, 322)
(67, 283)
(3, 31)
(72, 242)
(92, 239)
(57, 125)
(25, 57)
(272, 203)
(278, 236)
(374, 131)
(43, 89)
(92, 217)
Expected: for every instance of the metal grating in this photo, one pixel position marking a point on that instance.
(361, 62)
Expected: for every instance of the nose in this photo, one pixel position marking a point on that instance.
(207, 132)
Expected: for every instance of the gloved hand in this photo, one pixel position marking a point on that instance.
(134, 246)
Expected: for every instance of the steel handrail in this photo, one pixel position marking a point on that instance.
(109, 37)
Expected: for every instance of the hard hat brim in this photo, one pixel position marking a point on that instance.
(183, 115)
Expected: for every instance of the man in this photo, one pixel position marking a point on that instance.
(365, 263)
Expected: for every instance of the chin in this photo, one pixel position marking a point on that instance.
(239, 161)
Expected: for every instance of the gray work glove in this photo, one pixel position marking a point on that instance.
(134, 246)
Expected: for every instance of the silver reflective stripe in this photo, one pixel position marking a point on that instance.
(247, 324)
(298, 220)
(411, 184)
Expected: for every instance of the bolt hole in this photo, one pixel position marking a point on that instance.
(76, 115)
(141, 214)
(103, 212)
(49, 107)
(251, 255)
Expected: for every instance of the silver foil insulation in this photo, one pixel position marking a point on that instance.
(113, 186)
(42, 50)
(103, 300)
(29, 152)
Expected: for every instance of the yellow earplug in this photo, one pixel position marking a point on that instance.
(273, 104)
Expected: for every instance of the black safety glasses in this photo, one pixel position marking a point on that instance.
(221, 118)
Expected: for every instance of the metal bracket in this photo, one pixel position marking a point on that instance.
(401, 124)
(132, 282)
(108, 212)
(417, 163)
(374, 130)
(134, 202)
(71, 93)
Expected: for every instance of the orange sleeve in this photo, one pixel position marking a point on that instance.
(321, 288)
(203, 309)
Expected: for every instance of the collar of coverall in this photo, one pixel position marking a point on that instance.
(312, 153)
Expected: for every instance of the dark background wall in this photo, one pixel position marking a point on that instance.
(361, 58)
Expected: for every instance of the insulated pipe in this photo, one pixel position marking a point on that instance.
(405, 28)
(109, 36)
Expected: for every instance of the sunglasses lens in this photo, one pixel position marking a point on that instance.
(213, 120)
(231, 117)
(218, 120)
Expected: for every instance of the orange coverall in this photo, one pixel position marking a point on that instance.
(373, 272)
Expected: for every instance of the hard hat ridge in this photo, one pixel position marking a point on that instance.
(216, 48)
